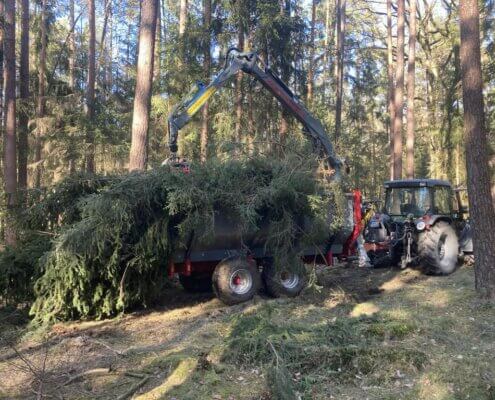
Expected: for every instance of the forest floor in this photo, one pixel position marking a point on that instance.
(363, 334)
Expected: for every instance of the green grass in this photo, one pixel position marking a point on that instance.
(420, 338)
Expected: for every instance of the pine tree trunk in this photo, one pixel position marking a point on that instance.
(339, 65)
(9, 143)
(90, 90)
(238, 91)
(158, 44)
(41, 101)
(391, 85)
(311, 70)
(411, 83)
(23, 96)
(183, 13)
(205, 132)
(72, 48)
(285, 67)
(2, 37)
(482, 211)
(399, 90)
(142, 98)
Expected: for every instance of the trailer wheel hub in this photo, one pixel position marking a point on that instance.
(241, 281)
(289, 279)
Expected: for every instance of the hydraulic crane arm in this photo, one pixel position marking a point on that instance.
(251, 64)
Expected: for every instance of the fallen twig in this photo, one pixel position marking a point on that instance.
(134, 388)
(90, 372)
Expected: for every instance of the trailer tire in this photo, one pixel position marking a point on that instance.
(438, 249)
(236, 280)
(196, 283)
(283, 283)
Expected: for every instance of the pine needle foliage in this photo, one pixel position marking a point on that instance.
(115, 256)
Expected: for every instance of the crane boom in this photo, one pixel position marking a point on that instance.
(250, 63)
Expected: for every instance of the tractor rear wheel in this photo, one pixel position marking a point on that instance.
(236, 280)
(438, 249)
(284, 282)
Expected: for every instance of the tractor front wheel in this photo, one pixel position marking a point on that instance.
(438, 249)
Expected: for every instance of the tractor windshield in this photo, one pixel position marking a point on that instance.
(408, 200)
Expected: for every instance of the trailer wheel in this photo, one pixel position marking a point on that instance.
(438, 249)
(236, 280)
(285, 282)
(196, 283)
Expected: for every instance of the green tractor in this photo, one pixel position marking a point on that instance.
(422, 222)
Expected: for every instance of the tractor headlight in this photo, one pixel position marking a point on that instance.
(420, 225)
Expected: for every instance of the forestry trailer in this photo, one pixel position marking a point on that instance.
(224, 264)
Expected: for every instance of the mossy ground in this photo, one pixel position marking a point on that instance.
(376, 334)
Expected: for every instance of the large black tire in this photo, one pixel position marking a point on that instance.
(438, 249)
(196, 283)
(284, 282)
(236, 280)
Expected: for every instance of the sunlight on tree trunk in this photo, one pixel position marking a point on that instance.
(482, 211)
(24, 96)
(339, 64)
(411, 83)
(9, 140)
(391, 86)
(90, 90)
(311, 68)
(142, 97)
(399, 91)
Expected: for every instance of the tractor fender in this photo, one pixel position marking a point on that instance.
(436, 218)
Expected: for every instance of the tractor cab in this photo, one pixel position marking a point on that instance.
(418, 198)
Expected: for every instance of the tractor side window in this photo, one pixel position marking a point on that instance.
(443, 200)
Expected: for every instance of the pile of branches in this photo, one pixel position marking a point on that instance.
(114, 255)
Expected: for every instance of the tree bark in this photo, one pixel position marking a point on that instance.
(41, 101)
(339, 65)
(72, 48)
(90, 90)
(399, 91)
(23, 96)
(238, 91)
(482, 211)
(183, 17)
(391, 85)
(158, 44)
(411, 83)
(285, 69)
(205, 127)
(142, 98)
(2, 37)
(9, 146)
(311, 69)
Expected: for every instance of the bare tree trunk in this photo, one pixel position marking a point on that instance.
(391, 85)
(72, 48)
(183, 13)
(142, 98)
(311, 70)
(399, 91)
(9, 143)
(41, 101)
(482, 211)
(205, 131)
(238, 91)
(90, 90)
(24, 95)
(158, 44)
(339, 65)
(285, 67)
(2, 37)
(411, 83)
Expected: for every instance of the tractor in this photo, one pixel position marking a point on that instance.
(422, 223)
